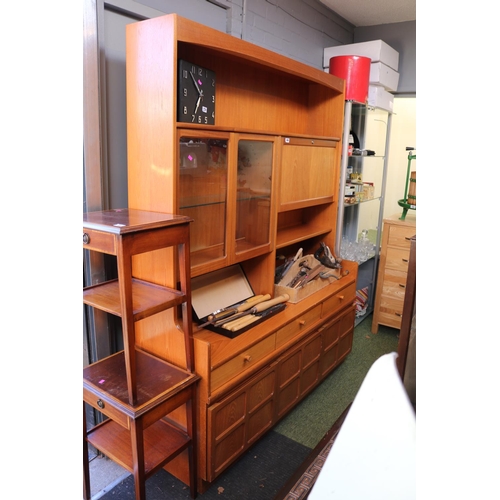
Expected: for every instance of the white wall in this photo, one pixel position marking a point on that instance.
(403, 134)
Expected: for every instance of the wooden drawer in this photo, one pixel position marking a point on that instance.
(285, 334)
(340, 299)
(391, 310)
(393, 292)
(394, 277)
(242, 362)
(397, 259)
(399, 236)
(106, 408)
(97, 240)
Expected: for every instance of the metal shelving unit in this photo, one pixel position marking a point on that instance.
(372, 126)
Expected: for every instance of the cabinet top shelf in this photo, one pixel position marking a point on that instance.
(125, 220)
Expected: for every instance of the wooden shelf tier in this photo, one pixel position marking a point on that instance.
(147, 298)
(162, 442)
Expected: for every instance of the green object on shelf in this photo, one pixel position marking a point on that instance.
(404, 202)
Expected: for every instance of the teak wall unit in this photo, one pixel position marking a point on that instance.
(261, 182)
(393, 271)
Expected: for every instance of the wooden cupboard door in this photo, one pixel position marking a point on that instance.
(307, 173)
(346, 328)
(330, 334)
(255, 166)
(237, 421)
(337, 337)
(298, 373)
(203, 193)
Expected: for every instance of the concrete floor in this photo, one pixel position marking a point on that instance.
(104, 476)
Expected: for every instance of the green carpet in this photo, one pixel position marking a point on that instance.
(311, 419)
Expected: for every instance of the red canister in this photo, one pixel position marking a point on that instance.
(355, 70)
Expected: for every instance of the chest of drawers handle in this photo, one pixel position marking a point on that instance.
(86, 238)
(247, 359)
(100, 403)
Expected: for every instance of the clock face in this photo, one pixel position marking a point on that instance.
(195, 94)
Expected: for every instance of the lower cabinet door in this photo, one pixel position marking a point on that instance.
(237, 421)
(337, 336)
(298, 372)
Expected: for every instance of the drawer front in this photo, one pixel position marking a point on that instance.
(389, 318)
(393, 291)
(285, 334)
(97, 240)
(242, 362)
(394, 277)
(106, 408)
(399, 236)
(397, 259)
(391, 310)
(340, 299)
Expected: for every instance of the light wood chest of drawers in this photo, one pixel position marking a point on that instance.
(393, 270)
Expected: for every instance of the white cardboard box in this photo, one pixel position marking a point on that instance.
(376, 50)
(381, 74)
(378, 97)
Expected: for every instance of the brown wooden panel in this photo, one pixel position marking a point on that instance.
(307, 173)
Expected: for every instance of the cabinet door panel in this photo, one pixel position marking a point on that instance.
(253, 204)
(307, 174)
(203, 188)
(239, 420)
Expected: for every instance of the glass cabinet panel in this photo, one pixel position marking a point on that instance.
(203, 168)
(253, 203)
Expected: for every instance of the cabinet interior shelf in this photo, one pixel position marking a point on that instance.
(161, 440)
(206, 200)
(296, 234)
(147, 298)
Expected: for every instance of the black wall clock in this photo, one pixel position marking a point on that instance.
(195, 94)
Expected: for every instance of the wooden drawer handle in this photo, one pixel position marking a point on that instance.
(399, 314)
(402, 286)
(302, 322)
(341, 297)
(86, 238)
(247, 358)
(404, 260)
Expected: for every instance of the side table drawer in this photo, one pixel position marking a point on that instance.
(106, 408)
(397, 259)
(399, 236)
(97, 240)
(285, 334)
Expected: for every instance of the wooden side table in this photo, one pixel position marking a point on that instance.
(134, 389)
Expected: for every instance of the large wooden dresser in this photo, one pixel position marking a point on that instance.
(393, 270)
(274, 117)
